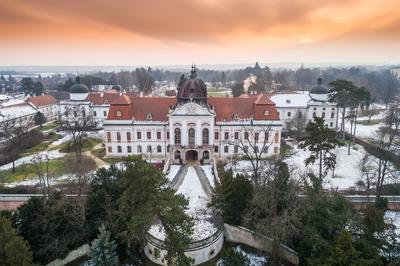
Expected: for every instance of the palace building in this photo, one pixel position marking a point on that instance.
(192, 126)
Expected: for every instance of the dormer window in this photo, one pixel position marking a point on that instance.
(236, 116)
(149, 116)
(119, 114)
(288, 101)
(266, 112)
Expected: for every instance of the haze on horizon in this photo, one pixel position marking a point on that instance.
(176, 32)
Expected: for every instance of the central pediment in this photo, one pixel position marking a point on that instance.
(192, 109)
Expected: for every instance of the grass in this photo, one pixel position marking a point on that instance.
(43, 145)
(370, 123)
(57, 167)
(87, 145)
(48, 126)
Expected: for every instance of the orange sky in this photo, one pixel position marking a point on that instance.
(172, 32)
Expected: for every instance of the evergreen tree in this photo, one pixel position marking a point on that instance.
(320, 141)
(103, 250)
(232, 196)
(232, 257)
(14, 250)
(39, 119)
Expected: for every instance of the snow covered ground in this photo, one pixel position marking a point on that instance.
(347, 172)
(30, 158)
(394, 218)
(192, 190)
(173, 170)
(35, 181)
(208, 171)
(255, 259)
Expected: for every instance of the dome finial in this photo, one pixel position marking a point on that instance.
(319, 80)
(193, 73)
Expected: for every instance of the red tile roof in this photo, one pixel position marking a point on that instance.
(43, 100)
(259, 107)
(98, 98)
(245, 108)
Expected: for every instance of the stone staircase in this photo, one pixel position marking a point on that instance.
(178, 179)
(205, 184)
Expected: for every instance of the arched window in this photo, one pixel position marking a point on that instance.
(206, 155)
(129, 149)
(159, 149)
(177, 136)
(205, 136)
(119, 149)
(276, 137)
(177, 155)
(191, 134)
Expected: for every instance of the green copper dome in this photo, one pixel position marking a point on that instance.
(78, 87)
(319, 88)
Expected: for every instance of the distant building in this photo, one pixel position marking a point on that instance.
(307, 105)
(46, 104)
(191, 126)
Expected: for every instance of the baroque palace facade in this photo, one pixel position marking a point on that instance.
(192, 126)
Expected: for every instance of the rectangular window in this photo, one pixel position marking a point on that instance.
(167, 135)
(129, 149)
(159, 149)
(314, 114)
(216, 135)
(109, 149)
(246, 135)
(236, 135)
(108, 136)
(119, 149)
(149, 149)
(226, 135)
(289, 114)
(256, 136)
(94, 113)
(255, 149)
(158, 135)
(128, 136)
(105, 113)
(139, 135)
(139, 149)
(216, 149)
(323, 115)
(148, 135)
(236, 149)
(332, 115)
(118, 137)
(331, 124)
(226, 149)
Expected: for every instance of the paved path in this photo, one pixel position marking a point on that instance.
(205, 184)
(178, 179)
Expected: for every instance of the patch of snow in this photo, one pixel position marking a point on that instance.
(29, 159)
(394, 218)
(173, 170)
(208, 171)
(255, 259)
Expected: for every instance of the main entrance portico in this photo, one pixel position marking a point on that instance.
(192, 156)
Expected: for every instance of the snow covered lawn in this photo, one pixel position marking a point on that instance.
(173, 170)
(192, 190)
(29, 159)
(208, 171)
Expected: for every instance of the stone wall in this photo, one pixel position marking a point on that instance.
(241, 235)
(73, 255)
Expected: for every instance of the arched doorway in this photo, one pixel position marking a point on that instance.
(192, 156)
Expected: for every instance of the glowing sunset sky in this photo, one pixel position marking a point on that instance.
(155, 32)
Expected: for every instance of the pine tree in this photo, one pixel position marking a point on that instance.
(14, 250)
(103, 250)
(320, 141)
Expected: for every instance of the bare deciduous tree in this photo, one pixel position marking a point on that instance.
(77, 125)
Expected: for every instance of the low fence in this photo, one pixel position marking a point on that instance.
(241, 235)
(193, 246)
